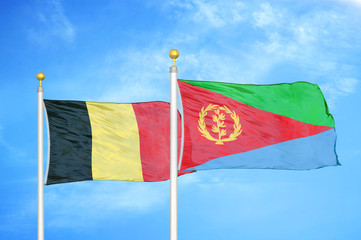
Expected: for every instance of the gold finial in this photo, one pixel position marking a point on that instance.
(40, 76)
(173, 54)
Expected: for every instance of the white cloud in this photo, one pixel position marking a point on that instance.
(311, 42)
(14, 151)
(218, 15)
(82, 204)
(130, 76)
(340, 87)
(353, 2)
(17, 220)
(209, 66)
(214, 14)
(213, 187)
(249, 64)
(304, 34)
(188, 180)
(268, 16)
(52, 24)
(121, 75)
(347, 85)
(86, 204)
(284, 37)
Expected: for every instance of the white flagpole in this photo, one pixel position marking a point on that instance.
(173, 148)
(40, 76)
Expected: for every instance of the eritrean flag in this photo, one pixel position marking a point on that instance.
(108, 141)
(280, 126)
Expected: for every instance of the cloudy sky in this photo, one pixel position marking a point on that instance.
(117, 51)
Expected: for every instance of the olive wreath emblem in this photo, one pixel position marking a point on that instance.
(219, 118)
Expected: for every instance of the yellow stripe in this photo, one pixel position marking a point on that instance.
(115, 142)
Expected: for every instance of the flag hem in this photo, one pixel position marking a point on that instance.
(48, 133)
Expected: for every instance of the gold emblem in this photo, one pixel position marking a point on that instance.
(219, 118)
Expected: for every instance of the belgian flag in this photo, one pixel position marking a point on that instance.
(108, 141)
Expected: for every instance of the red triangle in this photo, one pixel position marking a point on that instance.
(259, 128)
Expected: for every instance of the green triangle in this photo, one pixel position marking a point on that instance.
(302, 101)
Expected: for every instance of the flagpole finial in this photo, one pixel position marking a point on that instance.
(173, 54)
(40, 76)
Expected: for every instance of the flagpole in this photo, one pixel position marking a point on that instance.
(173, 148)
(40, 76)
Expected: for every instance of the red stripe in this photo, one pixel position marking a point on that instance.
(259, 128)
(153, 120)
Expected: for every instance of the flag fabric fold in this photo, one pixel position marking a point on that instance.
(108, 141)
(280, 126)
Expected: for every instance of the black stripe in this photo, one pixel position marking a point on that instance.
(70, 142)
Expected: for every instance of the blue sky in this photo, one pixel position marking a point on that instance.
(117, 51)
